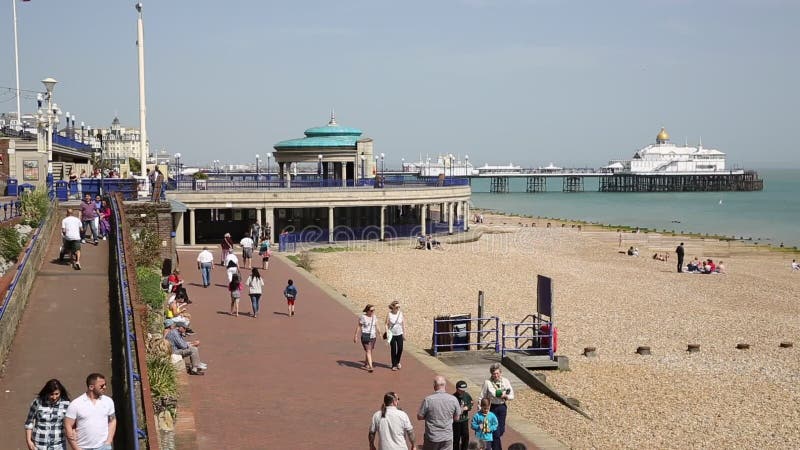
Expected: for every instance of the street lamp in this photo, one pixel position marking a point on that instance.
(257, 158)
(402, 164)
(177, 166)
(382, 166)
(363, 163)
(49, 84)
(319, 168)
(100, 138)
(82, 128)
(269, 156)
(466, 165)
(450, 157)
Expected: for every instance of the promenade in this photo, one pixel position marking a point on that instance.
(64, 334)
(292, 382)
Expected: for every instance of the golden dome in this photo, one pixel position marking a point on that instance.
(663, 136)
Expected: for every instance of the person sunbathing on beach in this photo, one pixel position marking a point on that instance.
(795, 265)
(721, 267)
(694, 265)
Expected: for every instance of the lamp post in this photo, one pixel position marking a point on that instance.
(402, 164)
(83, 126)
(177, 166)
(269, 156)
(363, 164)
(49, 84)
(382, 166)
(450, 157)
(100, 138)
(466, 165)
(257, 158)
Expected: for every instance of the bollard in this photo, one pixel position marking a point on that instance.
(693, 348)
(786, 344)
(643, 350)
(589, 352)
(742, 346)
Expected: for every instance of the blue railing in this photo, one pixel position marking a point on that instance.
(288, 239)
(251, 183)
(11, 210)
(536, 336)
(127, 311)
(480, 322)
(20, 267)
(71, 143)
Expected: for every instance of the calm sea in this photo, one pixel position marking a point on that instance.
(771, 216)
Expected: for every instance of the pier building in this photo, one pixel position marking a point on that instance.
(349, 197)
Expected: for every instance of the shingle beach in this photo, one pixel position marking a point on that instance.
(719, 397)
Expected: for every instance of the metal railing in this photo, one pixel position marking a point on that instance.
(288, 239)
(11, 210)
(535, 336)
(132, 376)
(21, 266)
(482, 332)
(249, 183)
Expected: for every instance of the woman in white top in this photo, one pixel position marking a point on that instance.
(498, 390)
(255, 285)
(395, 328)
(367, 333)
(231, 265)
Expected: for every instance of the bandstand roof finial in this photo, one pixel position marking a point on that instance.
(332, 122)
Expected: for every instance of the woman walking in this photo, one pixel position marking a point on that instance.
(105, 219)
(255, 285)
(367, 332)
(395, 328)
(44, 427)
(265, 252)
(235, 289)
(499, 391)
(227, 246)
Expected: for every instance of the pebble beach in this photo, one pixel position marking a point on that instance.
(719, 397)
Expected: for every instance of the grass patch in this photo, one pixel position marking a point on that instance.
(302, 259)
(149, 281)
(329, 249)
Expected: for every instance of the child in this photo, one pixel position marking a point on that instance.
(290, 293)
(235, 288)
(265, 253)
(484, 422)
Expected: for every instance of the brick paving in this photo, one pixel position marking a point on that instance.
(64, 334)
(291, 382)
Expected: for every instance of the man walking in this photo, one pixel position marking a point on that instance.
(680, 252)
(71, 231)
(392, 426)
(439, 410)
(88, 213)
(90, 421)
(247, 251)
(205, 263)
(461, 425)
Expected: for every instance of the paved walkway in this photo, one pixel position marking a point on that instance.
(291, 382)
(64, 334)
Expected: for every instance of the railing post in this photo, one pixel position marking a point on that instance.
(480, 317)
(435, 339)
(496, 334)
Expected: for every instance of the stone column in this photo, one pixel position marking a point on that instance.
(422, 210)
(383, 223)
(466, 215)
(178, 228)
(344, 174)
(330, 224)
(270, 220)
(258, 217)
(191, 227)
(449, 217)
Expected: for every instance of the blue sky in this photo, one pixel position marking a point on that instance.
(576, 83)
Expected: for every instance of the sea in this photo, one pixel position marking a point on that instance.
(768, 217)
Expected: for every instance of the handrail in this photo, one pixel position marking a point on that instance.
(482, 331)
(21, 266)
(127, 311)
(11, 210)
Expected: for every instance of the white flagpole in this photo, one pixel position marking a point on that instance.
(16, 62)
(142, 109)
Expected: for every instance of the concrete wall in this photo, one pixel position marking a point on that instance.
(19, 299)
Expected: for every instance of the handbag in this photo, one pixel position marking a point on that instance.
(366, 338)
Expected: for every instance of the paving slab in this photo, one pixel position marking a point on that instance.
(293, 382)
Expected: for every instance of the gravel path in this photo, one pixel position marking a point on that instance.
(720, 397)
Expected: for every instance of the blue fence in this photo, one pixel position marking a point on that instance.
(288, 239)
(532, 335)
(132, 376)
(11, 209)
(20, 266)
(254, 182)
(455, 339)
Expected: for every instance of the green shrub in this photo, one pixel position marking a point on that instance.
(149, 281)
(163, 381)
(147, 248)
(305, 260)
(200, 176)
(10, 245)
(35, 205)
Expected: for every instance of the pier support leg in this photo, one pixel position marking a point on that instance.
(191, 227)
(330, 224)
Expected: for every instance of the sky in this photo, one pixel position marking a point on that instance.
(575, 83)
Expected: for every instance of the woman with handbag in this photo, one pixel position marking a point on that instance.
(395, 328)
(367, 334)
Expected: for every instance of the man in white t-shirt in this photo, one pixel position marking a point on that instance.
(247, 251)
(205, 262)
(392, 426)
(90, 421)
(71, 237)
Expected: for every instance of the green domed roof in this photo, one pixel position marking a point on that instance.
(331, 135)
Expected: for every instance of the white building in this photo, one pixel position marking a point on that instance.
(448, 165)
(666, 157)
(121, 143)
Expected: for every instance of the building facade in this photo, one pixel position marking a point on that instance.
(666, 157)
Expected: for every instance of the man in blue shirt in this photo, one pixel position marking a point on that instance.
(183, 348)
